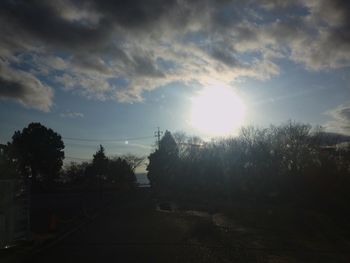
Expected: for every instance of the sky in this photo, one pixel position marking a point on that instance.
(111, 72)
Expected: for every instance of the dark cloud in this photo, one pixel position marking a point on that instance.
(329, 47)
(25, 89)
(227, 14)
(225, 56)
(135, 14)
(42, 20)
(144, 66)
(94, 63)
(11, 89)
(279, 5)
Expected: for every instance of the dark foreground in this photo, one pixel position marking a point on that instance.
(130, 230)
(133, 230)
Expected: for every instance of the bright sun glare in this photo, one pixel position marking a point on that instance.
(217, 111)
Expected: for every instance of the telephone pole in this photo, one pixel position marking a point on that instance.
(157, 134)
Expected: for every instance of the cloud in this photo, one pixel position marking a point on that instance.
(340, 119)
(116, 49)
(325, 43)
(71, 114)
(90, 63)
(41, 20)
(25, 89)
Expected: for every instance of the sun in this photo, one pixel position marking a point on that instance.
(217, 111)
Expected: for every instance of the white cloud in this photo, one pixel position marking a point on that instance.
(340, 119)
(71, 114)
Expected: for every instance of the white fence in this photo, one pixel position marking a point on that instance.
(14, 212)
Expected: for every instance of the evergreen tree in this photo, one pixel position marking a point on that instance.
(162, 163)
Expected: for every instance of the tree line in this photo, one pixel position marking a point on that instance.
(292, 162)
(36, 154)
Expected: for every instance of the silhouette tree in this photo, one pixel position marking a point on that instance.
(162, 163)
(260, 163)
(38, 152)
(7, 166)
(120, 172)
(100, 162)
(74, 173)
(133, 160)
(168, 145)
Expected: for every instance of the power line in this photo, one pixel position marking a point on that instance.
(107, 140)
(76, 158)
(81, 145)
(89, 159)
(124, 140)
(113, 145)
(93, 145)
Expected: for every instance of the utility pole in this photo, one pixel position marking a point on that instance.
(157, 134)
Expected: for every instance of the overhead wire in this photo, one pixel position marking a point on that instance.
(124, 140)
(76, 158)
(107, 140)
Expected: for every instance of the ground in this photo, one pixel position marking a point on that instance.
(133, 230)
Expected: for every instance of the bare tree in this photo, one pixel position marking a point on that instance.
(133, 160)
